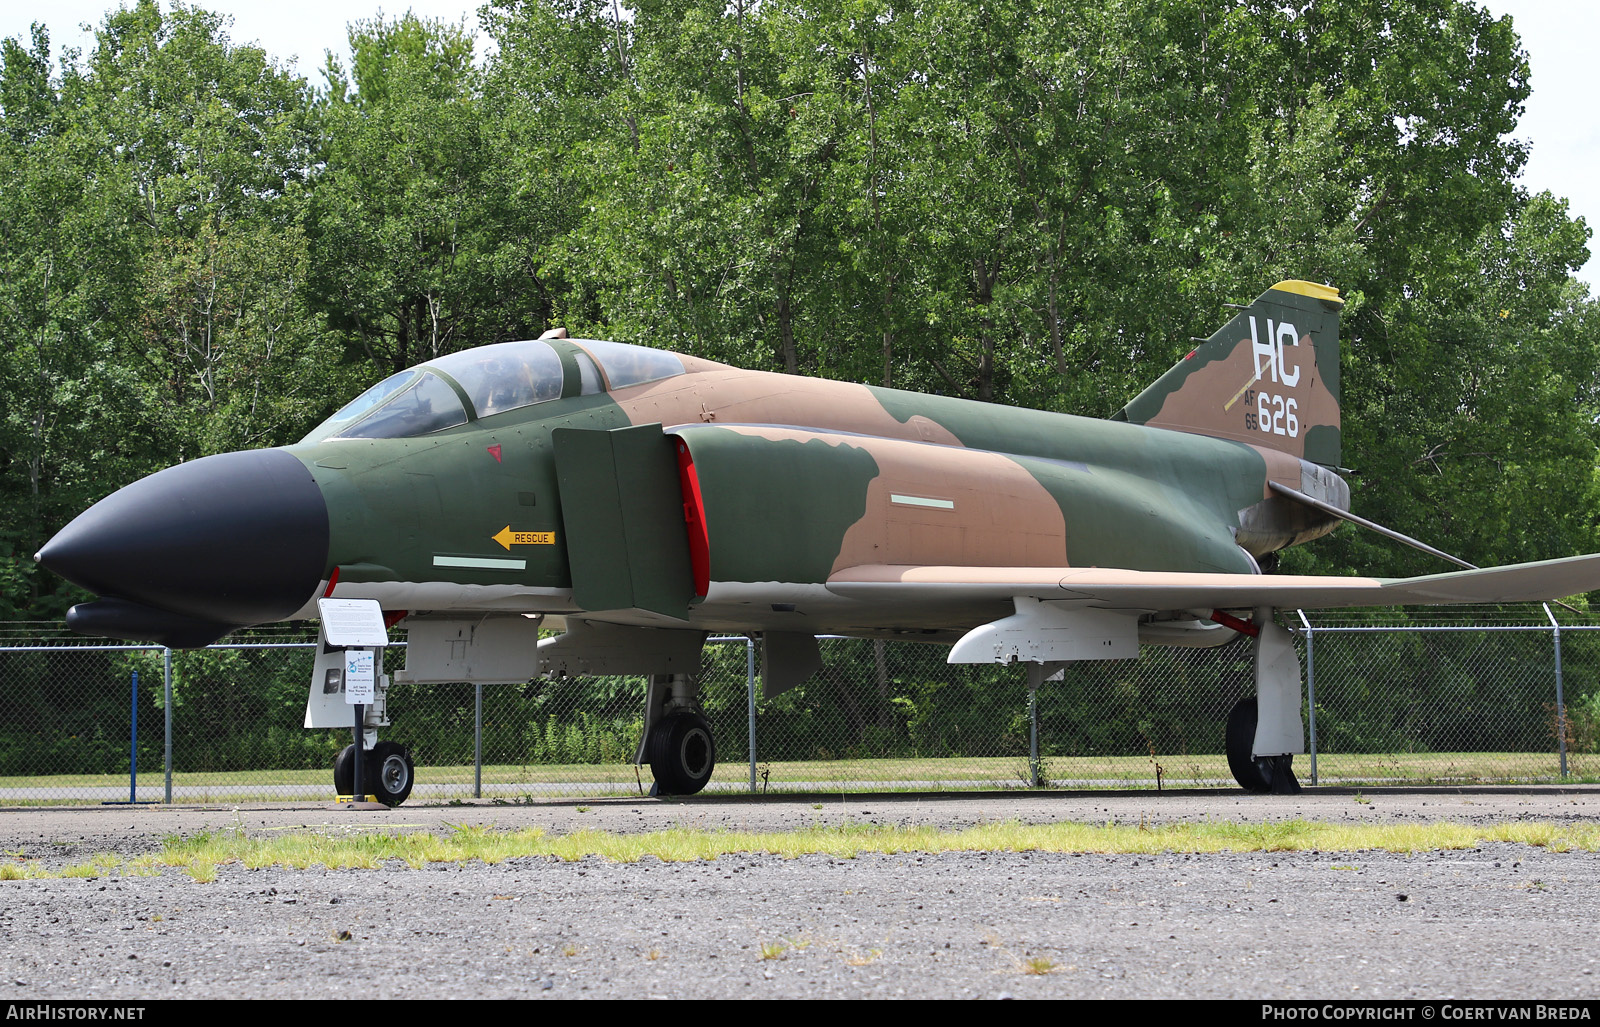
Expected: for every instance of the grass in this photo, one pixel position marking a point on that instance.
(199, 856)
(965, 772)
(1036, 965)
(200, 868)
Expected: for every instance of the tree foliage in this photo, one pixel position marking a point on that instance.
(201, 251)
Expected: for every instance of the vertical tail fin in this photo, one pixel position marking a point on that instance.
(1269, 377)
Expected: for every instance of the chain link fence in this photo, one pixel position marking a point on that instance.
(1392, 698)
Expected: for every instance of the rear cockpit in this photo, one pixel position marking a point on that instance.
(490, 380)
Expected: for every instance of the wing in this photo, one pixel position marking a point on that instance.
(1113, 589)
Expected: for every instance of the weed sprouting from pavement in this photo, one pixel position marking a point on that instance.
(202, 854)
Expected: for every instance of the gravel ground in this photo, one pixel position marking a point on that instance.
(1501, 921)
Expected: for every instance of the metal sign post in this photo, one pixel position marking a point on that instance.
(359, 688)
(356, 625)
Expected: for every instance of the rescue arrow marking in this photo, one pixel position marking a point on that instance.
(508, 538)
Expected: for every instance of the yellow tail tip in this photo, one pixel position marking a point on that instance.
(1312, 289)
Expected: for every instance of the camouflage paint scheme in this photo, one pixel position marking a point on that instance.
(618, 490)
(651, 489)
(803, 479)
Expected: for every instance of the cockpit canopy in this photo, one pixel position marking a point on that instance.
(489, 380)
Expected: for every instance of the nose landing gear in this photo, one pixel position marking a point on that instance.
(387, 774)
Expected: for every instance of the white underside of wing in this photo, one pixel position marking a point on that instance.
(1112, 588)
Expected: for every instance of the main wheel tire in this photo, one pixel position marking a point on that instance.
(1274, 774)
(1240, 741)
(389, 773)
(682, 754)
(344, 771)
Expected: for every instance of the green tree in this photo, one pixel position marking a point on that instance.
(152, 266)
(409, 252)
(58, 385)
(211, 149)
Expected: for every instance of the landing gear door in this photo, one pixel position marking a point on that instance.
(622, 507)
(326, 706)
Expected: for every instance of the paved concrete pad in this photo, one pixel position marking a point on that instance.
(1499, 921)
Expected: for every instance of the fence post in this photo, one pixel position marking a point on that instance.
(1561, 702)
(166, 693)
(750, 698)
(1311, 694)
(1033, 725)
(477, 740)
(133, 744)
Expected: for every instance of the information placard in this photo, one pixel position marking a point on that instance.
(359, 678)
(353, 622)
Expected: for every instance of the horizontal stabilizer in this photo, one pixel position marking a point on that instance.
(1113, 589)
(1346, 515)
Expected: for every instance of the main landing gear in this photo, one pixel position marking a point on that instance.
(677, 739)
(1258, 774)
(387, 774)
(1269, 721)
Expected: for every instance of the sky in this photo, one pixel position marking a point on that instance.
(285, 29)
(1562, 124)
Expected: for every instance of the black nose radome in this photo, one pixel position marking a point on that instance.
(236, 539)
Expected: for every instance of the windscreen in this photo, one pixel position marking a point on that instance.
(401, 406)
(426, 404)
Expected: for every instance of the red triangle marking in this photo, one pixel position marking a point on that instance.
(494, 451)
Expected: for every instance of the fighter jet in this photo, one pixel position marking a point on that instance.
(637, 499)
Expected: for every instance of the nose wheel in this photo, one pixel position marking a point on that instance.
(387, 774)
